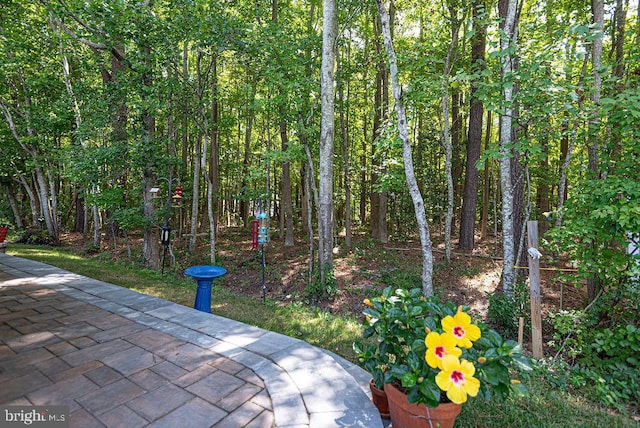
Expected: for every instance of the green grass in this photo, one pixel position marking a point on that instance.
(546, 407)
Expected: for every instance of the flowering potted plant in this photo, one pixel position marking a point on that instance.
(432, 355)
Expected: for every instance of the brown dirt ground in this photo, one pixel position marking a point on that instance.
(363, 271)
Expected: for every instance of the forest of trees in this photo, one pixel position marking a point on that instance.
(469, 117)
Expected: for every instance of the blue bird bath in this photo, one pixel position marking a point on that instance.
(204, 275)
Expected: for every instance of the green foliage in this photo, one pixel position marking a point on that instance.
(401, 278)
(596, 222)
(603, 362)
(504, 311)
(35, 237)
(316, 291)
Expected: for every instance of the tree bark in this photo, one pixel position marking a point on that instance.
(446, 131)
(214, 160)
(474, 136)
(286, 214)
(246, 157)
(597, 9)
(14, 206)
(40, 182)
(327, 131)
(345, 159)
(151, 235)
(414, 190)
(486, 185)
(507, 41)
(379, 197)
(195, 191)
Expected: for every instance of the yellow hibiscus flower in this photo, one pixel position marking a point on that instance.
(461, 328)
(456, 378)
(439, 346)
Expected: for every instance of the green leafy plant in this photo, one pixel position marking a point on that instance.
(426, 347)
(602, 362)
(35, 237)
(505, 311)
(316, 291)
(597, 220)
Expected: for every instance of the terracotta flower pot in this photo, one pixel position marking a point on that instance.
(379, 398)
(409, 415)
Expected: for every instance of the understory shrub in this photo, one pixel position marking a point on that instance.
(603, 361)
(504, 310)
(35, 237)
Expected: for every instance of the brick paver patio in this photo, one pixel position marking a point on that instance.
(118, 358)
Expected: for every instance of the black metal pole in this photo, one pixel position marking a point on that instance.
(165, 244)
(264, 284)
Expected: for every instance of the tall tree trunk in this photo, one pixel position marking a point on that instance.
(151, 235)
(379, 196)
(377, 125)
(286, 213)
(40, 182)
(246, 158)
(305, 209)
(446, 130)
(78, 222)
(185, 108)
(327, 131)
(214, 160)
(287, 204)
(345, 156)
(507, 41)
(34, 204)
(542, 193)
(597, 9)
(14, 206)
(474, 136)
(486, 185)
(195, 191)
(414, 190)
(620, 17)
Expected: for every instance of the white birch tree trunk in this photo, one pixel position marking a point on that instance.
(41, 186)
(414, 190)
(507, 40)
(327, 134)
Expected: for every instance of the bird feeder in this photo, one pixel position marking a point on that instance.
(154, 192)
(263, 228)
(176, 199)
(165, 237)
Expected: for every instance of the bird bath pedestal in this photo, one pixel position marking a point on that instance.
(205, 276)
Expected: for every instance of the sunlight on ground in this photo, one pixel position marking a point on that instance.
(46, 252)
(485, 283)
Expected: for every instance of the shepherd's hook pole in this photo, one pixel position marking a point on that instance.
(264, 284)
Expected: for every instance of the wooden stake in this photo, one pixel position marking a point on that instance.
(534, 285)
(520, 331)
